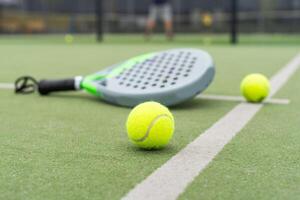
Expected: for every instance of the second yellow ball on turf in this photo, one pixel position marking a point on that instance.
(255, 88)
(69, 39)
(150, 125)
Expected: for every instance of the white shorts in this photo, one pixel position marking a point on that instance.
(163, 12)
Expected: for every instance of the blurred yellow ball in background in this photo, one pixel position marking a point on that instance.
(207, 19)
(69, 39)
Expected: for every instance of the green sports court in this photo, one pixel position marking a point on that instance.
(72, 145)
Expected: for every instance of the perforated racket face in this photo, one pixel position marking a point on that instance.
(160, 76)
(164, 70)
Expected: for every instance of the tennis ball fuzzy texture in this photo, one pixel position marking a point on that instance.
(150, 125)
(255, 87)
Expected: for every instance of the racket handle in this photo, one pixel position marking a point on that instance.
(47, 86)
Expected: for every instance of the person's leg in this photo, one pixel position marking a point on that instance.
(149, 27)
(169, 29)
(168, 21)
(151, 22)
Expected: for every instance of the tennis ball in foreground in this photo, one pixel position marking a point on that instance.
(255, 87)
(150, 125)
(69, 38)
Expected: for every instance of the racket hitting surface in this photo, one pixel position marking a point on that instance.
(169, 77)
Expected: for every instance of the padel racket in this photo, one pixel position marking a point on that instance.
(169, 77)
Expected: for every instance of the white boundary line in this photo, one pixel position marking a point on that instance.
(172, 178)
(239, 99)
(9, 86)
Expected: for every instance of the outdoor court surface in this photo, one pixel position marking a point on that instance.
(74, 146)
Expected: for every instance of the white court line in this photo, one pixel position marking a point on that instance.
(7, 86)
(10, 86)
(239, 99)
(172, 178)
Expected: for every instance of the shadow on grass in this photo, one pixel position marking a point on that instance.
(198, 104)
(193, 104)
(81, 97)
(169, 149)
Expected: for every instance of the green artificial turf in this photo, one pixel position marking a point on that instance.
(263, 161)
(73, 146)
(158, 39)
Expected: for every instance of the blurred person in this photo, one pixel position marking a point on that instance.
(160, 9)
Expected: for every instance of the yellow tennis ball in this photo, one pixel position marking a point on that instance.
(255, 87)
(207, 19)
(69, 39)
(150, 125)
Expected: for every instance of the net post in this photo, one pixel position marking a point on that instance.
(99, 19)
(234, 22)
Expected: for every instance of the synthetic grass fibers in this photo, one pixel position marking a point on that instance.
(73, 146)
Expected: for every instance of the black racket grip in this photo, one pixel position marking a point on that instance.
(47, 86)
